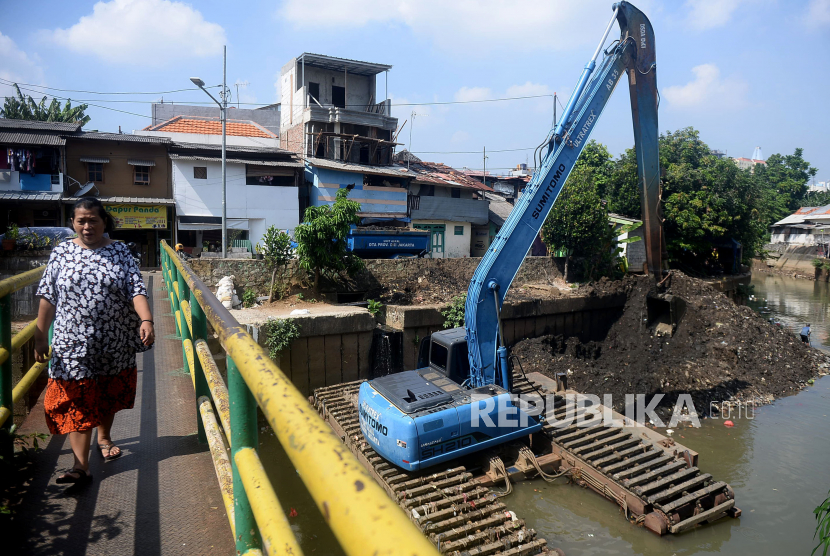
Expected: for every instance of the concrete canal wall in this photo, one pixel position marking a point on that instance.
(339, 345)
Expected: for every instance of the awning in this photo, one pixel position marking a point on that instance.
(95, 159)
(140, 162)
(209, 223)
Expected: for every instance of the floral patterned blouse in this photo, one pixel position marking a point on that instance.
(96, 327)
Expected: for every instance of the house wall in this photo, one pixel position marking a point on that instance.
(119, 177)
(267, 118)
(800, 236)
(454, 246)
(372, 199)
(262, 205)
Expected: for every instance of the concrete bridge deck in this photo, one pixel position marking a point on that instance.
(160, 497)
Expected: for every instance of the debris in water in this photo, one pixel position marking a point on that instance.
(728, 424)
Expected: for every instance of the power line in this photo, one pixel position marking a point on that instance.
(473, 152)
(95, 105)
(8, 82)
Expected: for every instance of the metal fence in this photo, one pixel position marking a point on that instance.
(9, 345)
(361, 516)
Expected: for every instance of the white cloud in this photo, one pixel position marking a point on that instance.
(708, 14)
(818, 13)
(471, 94)
(528, 90)
(18, 66)
(469, 27)
(707, 89)
(459, 137)
(146, 32)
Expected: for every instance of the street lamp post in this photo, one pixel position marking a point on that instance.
(223, 111)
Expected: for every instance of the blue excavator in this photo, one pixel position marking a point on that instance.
(459, 401)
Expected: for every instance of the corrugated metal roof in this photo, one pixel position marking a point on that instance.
(395, 171)
(441, 174)
(120, 137)
(140, 162)
(29, 196)
(340, 64)
(176, 146)
(499, 209)
(127, 200)
(23, 138)
(95, 159)
(258, 162)
(56, 127)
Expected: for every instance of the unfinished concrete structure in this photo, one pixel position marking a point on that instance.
(331, 110)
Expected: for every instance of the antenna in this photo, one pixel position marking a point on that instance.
(239, 84)
(86, 189)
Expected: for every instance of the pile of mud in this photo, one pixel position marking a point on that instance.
(720, 351)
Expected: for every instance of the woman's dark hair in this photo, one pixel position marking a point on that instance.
(90, 203)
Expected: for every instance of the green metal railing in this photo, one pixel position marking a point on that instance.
(361, 516)
(9, 345)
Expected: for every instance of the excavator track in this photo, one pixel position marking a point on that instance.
(654, 480)
(450, 507)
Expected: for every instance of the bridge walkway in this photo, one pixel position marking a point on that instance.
(160, 497)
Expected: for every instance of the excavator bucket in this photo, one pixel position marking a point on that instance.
(664, 312)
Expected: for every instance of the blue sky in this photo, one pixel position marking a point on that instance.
(744, 73)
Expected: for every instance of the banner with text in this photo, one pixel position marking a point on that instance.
(139, 216)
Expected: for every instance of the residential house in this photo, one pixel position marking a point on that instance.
(332, 110)
(32, 172)
(202, 124)
(449, 204)
(747, 163)
(806, 226)
(262, 190)
(634, 251)
(131, 174)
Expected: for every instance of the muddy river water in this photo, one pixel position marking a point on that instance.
(778, 463)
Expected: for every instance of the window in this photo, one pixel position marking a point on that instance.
(459, 230)
(338, 96)
(200, 172)
(95, 171)
(142, 175)
(314, 90)
(456, 193)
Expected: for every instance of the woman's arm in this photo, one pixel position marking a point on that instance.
(45, 316)
(142, 307)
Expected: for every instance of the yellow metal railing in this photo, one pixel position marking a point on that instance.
(9, 394)
(361, 516)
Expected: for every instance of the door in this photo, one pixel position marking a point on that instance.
(437, 238)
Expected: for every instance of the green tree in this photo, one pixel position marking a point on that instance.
(596, 157)
(578, 221)
(322, 238)
(277, 254)
(623, 188)
(785, 177)
(25, 108)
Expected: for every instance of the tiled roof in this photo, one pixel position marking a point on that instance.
(181, 124)
(56, 127)
(16, 138)
(441, 174)
(128, 200)
(120, 137)
(27, 196)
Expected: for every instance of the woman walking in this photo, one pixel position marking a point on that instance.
(93, 290)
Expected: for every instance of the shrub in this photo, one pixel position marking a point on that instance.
(248, 298)
(279, 333)
(454, 313)
(818, 263)
(374, 307)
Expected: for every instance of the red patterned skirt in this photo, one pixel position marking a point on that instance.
(79, 405)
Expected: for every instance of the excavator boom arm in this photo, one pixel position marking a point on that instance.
(632, 56)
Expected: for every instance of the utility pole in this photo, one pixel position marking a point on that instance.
(411, 124)
(484, 173)
(224, 153)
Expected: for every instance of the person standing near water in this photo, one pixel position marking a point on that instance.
(94, 292)
(805, 334)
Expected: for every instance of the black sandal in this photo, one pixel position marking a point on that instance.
(68, 479)
(108, 448)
